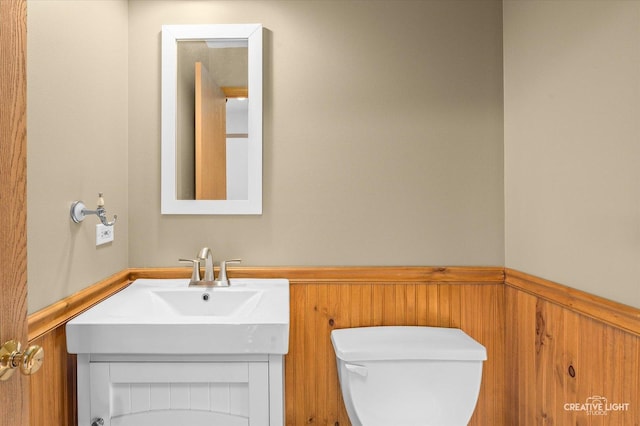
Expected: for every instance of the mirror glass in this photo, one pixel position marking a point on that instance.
(212, 119)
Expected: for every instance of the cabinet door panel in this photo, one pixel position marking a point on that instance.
(207, 394)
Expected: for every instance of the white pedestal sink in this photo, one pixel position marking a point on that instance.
(162, 352)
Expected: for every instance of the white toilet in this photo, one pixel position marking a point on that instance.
(408, 376)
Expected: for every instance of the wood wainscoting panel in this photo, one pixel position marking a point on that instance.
(53, 388)
(616, 314)
(321, 299)
(548, 345)
(313, 393)
(559, 359)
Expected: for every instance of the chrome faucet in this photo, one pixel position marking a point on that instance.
(209, 276)
(206, 255)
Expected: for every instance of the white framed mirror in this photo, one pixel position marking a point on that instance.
(211, 131)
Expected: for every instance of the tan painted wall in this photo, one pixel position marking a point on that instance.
(76, 142)
(383, 138)
(382, 135)
(572, 143)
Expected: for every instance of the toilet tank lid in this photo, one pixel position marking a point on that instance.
(405, 343)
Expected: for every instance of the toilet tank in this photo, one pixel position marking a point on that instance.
(408, 375)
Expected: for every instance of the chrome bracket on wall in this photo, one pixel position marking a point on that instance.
(79, 212)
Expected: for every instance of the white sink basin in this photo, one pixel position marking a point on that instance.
(168, 317)
(210, 303)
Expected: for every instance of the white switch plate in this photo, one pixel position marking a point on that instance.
(104, 234)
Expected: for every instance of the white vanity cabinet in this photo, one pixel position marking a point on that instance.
(170, 391)
(161, 352)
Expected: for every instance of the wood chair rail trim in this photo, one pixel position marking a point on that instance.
(616, 314)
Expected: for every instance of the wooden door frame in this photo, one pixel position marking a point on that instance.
(14, 393)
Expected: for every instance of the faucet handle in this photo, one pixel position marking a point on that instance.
(222, 276)
(195, 273)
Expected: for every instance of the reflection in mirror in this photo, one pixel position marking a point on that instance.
(212, 119)
(211, 96)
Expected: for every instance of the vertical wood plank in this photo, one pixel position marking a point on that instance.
(617, 379)
(546, 333)
(433, 304)
(388, 304)
(336, 315)
(497, 330)
(400, 307)
(345, 302)
(569, 365)
(631, 381)
(294, 372)
(444, 305)
(411, 304)
(377, 306)
(366, 306)
(455, 305)
(356, 305)
(592, 366)
(338, 412)
(512, 363)
(422, 304)
(309, 394)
